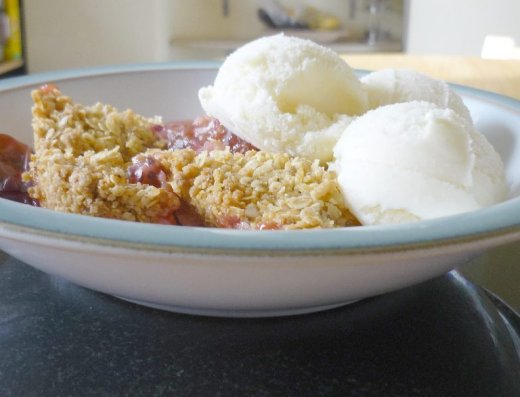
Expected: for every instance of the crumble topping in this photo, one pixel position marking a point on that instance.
(58, 123)
(256, 189)
(98, 161)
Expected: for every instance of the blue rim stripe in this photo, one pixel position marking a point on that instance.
(496, 219)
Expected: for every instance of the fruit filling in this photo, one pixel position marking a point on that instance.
(205, 133)
(14, 161)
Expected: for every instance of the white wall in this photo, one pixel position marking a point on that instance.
(77, 33)
(460, 26)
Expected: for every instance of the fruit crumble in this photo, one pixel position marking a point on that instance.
(96, 160)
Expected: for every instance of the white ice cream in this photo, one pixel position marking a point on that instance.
(285, 94)
(389, 86)
(412, 161)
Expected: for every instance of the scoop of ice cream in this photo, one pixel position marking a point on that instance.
(413, 161)
(389, 86)
(285, 94)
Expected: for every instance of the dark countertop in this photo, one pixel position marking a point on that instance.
(442, 337)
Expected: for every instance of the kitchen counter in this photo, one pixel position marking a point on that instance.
(500, 76)
(499, 269)
(190, 49)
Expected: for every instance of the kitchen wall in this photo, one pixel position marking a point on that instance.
(77, 33)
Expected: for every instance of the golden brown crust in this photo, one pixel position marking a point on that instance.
(257, 189)
(61, 124)
(81, 161)
(81, 156)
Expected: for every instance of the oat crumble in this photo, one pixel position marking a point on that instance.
(83, 155)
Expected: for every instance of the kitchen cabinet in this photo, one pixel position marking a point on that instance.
(12, 60)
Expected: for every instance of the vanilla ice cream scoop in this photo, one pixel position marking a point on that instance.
(389, 86)
(285, 94)
(412, 161)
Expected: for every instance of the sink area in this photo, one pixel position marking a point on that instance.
(213, 30)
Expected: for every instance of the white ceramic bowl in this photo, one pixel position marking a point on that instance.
(231, 272)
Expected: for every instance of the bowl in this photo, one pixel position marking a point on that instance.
(239, 273)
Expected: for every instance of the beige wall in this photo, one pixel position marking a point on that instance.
(77, 33)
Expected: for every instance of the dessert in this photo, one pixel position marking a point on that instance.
(288, 142)
(285, 95)
(99, 161)
(388, 86)
(415, 160)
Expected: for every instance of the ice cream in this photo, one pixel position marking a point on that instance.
(413, 161)
(389, 86)
(285, 94)
(415, 155)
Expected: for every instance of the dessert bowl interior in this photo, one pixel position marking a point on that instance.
(233, 272)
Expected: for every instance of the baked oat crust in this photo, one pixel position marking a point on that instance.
(83, 154)
(257, 189)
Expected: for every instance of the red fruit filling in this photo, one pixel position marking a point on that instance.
(14, 160)
(203, 133)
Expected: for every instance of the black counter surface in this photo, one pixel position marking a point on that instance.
(444, 337)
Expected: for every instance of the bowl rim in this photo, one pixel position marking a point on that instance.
(499, 220)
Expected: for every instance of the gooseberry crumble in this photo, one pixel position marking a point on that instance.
(96, 160)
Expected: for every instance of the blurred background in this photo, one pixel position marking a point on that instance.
(61, 34)
(474, 42)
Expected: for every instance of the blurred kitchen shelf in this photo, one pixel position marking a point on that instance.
(9, 66)
(227, 46)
